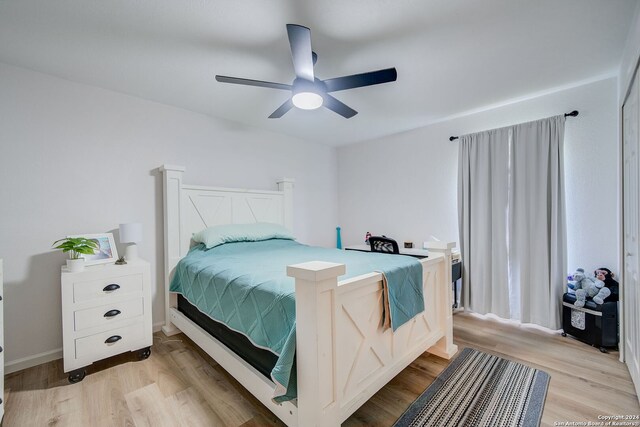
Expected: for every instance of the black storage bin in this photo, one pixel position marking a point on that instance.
(594, 324)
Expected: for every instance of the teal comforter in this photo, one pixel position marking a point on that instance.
(244, 286)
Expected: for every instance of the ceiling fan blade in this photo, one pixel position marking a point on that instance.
(339, 107)
(288, 105)
(359, 80)
(249, 82)
(300, 41)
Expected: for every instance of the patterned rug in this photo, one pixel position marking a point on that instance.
(478, 389)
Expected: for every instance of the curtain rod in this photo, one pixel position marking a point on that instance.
(574, 113)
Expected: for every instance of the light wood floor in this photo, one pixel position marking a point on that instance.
(181, 386)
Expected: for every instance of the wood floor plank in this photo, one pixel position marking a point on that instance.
(262, 421)
(148, 408)
(169, 381)
(192, 409)
(224, 399)
(371, 414)
(181, 385)
(65, 404)
(133, 376)
(104, 400)
(22, 409)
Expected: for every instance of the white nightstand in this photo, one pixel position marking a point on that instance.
(106, 310)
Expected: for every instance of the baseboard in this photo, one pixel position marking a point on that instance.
(157, 327)
(48, 356)
(31, 361)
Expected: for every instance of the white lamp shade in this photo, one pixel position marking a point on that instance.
(131, 232)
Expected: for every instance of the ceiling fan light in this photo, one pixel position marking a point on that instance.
(307, 100)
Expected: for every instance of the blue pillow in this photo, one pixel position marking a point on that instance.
(228, 233)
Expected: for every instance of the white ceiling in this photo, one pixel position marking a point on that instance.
(451, 55)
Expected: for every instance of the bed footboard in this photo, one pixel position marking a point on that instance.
(344, 355)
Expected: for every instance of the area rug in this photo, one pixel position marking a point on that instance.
(479, 389)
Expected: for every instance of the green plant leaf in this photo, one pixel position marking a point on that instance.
(86, 251)
(77, 245)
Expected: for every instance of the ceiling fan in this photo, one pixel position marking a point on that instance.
(307, 91)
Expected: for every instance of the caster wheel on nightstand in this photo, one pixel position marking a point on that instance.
(603, 350)
(564, 334)
(77, 375)
(144, 353)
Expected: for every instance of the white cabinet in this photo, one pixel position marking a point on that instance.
(106, 310)
(1, 344)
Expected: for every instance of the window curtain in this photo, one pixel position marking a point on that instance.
(512, 221)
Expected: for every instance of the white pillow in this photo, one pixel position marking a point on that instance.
(228, 233)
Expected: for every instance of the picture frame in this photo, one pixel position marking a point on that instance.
(107, 252)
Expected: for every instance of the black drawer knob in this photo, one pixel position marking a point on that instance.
(111, 287)
(112, 339)
(112, 313)
(0, 297)
(1, 349)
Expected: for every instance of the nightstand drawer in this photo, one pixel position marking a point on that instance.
(105, 288)
(109, 313)
(110, 342)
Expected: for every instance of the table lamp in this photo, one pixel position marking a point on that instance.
(131, 233)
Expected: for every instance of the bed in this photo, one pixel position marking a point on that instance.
(343, 354)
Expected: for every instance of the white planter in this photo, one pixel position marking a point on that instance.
(75, 265)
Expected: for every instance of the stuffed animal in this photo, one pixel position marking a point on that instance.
(610, 283)
(588, 287)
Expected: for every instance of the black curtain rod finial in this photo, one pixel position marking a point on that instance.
(453, 138)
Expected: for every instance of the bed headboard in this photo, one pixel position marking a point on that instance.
(189, 208)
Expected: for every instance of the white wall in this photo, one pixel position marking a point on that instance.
(78, 159)
(405, 185)
(629, 56)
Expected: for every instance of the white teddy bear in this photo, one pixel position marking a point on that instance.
(588, 287)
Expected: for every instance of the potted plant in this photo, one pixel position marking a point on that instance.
(76, 246)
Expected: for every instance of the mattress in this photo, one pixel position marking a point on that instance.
(262, 360)
(243, 285)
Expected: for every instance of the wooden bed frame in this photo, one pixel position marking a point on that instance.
(343, 354)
